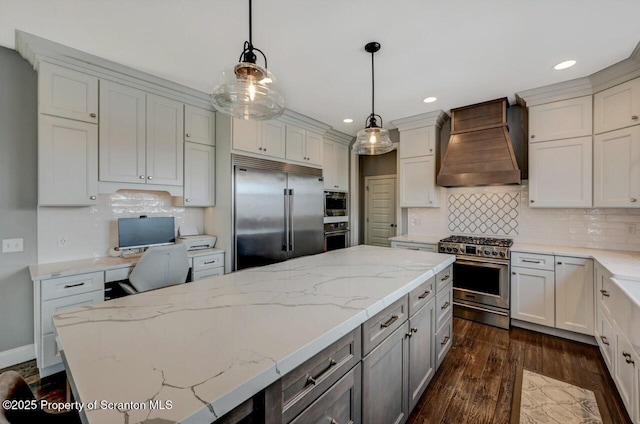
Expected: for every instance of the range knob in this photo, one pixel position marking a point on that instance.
(494, 253)
(442, 248)
(449, 249)
(455, 250)
(487, 252)
(503, 254)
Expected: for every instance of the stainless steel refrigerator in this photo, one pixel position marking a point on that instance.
(278, 211)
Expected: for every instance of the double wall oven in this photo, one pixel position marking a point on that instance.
(336, 225)
(480, 278)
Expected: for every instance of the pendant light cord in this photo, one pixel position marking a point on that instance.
(373, 85)
(250, 26)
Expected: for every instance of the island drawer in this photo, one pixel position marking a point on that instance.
(444, 277)
(208, 261)
(54, 288)
(533, 260)
(307, 382)
(381, 325)
(444, 340)
(444, 304)
(421, 295)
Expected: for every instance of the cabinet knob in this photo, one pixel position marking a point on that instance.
(93, 197)
(93, 115)
(513, 273)
(532, 201)
(260, 148)
(187, 135)
(559, 263)
(187, 200)
(141, 177)
(633, 200)
(264, 149)
(533, 136)
(634, 117)
(431, 150)
(150, 177)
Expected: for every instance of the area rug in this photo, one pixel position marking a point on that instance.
(539, 399)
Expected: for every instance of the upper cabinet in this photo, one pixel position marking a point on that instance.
(418, 182)
(199, 125)
(67, 93)
(617, 107)
(616, 173)
(418, 142)
(273, 138)
(165, 145)
(199, 175)
(303, 145)
(335, 167)
(251, 136)
(560, 120)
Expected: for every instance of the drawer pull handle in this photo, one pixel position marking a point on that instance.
(633, 200)
(446, 277)
(604, 340)
(93, 115)
(627, 357)
(559, 263)
(313, 380)
(425, 294)
(605, 293)
(625, 354)
(210, 262)
(630, 361)
(69, 286)
(445, 306)
(530, 261)
(444, 341)
(634, 117)
(391, 320)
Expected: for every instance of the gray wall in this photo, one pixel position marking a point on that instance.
(18, 196)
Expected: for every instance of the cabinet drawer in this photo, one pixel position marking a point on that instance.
(533, 260)
(340, 404)
(199, 275)
(51, 307)
(444, 304)
(606, 338)
(50, 352)
(444, 341)
(54, 288)
(380, 326)
(444, 277)
(421, 295)
(208, 261)
(307, 382)
(117, 274)
(424, 247)
(604, 295)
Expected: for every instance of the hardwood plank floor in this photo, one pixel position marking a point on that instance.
(475, 381)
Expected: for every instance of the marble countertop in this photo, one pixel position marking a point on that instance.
(417, 238)
(209, 345)
(61, 269)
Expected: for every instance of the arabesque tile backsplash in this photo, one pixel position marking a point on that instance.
(606, 228)
(92, 231)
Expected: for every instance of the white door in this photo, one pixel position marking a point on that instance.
(417, 182)
(313, 148)
(247, 135)
(295, 144)
(199, 175)
(341, 155)
(533, 296)
(329, 165)
(616, 168)
(199, 125)
(559, 120)
(380, 212)
(617, 107)
(165, 143)
(273, 138)
(575, 307)
(122, 133)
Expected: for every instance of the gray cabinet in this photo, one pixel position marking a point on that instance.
(385, 380)
(421, 351)
(199, 175)
(199, 125)
(67, 93)
(165, 143)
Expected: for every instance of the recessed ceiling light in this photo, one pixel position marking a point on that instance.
(564, 65)
(430, 99)
(347, 121)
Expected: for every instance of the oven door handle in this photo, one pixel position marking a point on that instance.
(464, 305)
(484, 263)
(333, 233)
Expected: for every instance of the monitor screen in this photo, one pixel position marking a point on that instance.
(144, 232)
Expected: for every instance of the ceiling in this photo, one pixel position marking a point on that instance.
(461, 51)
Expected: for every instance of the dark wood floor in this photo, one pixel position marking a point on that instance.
(475, 381)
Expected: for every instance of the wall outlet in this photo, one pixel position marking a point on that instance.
(631, 228)
(12, 245)
(62, 241)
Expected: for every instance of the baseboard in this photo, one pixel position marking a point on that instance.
(16, 356)
(577, 337)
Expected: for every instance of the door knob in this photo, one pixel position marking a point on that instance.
(150, 177)
(188, 135)
(187, 200)
(634, 117)
(93, 115)
(92, 197)
(141, 177)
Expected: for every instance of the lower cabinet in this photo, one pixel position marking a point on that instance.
(626, 375)
(444, 341)
(422, 364)
(385, 380)
(574, 294)
(532, 295)
(425, 247)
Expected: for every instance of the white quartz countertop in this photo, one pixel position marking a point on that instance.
(417, 238)
(209, 345)
(81, 266)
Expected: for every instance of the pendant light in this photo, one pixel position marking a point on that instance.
(373, 139)
(247, 90)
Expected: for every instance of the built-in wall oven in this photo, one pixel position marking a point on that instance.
(480, 278)
(336, 236)
(335, 203)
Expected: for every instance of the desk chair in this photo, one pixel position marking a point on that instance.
(13, 387)
(159, 267)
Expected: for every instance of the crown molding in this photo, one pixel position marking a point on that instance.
(555, 92)
(429, 119)
(339, 137)
(300, 120)
(617, 73)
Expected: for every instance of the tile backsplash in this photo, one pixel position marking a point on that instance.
(92, 231)
(606, 228)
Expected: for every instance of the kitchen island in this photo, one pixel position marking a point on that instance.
(209, 345)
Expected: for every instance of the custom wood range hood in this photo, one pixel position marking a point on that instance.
(480, 150)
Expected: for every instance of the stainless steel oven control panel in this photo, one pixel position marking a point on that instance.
(497, 252)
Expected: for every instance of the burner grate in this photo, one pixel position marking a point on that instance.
(482, 241)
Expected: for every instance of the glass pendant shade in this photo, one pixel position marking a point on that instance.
(248, 91)
(373, 141)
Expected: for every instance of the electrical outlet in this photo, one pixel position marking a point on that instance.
(12, 245)
(62, 241)
(631, 228)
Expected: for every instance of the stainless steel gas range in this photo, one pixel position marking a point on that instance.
(480, 278)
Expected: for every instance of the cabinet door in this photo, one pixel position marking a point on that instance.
(199, 125)
(625, 373)
(418, 142)
(295, 144)
(313, 148)
(329, 165)
(341, 156)
(616, 169)
(122, 133)
(67, 93)
(199, 175)
(558, 120)
(273, 138)
(67, 162)
(606, 338)
(617, 107)
(533, 296)
(422, 362)
(247, 135)
(560, 173)
(165, 144)
(385, 378)
(575, 307)
(417, 182)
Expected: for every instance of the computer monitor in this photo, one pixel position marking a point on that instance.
(144, 232)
